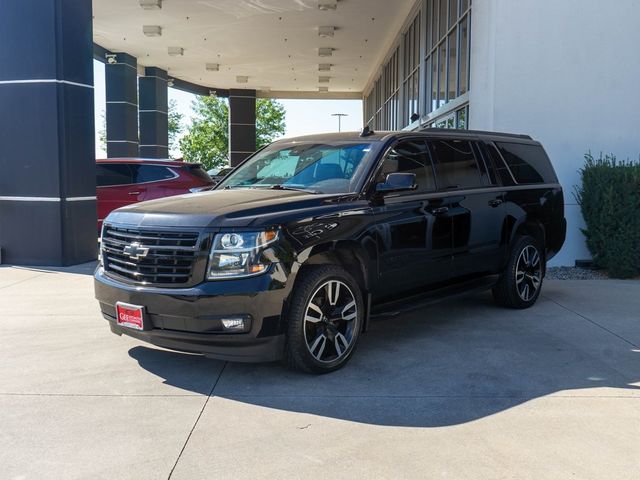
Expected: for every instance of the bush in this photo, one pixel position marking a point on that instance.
(610, 202)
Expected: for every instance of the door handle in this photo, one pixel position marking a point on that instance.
(495, 202)
(440, 210)
(134, 193)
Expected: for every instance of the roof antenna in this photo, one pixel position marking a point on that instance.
(366, 131)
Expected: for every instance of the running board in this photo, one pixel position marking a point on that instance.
(397, 307)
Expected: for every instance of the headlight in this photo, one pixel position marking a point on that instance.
(239, 254)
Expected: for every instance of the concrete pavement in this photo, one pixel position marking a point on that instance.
(462, 389)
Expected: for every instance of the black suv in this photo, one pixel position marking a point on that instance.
(292, 254)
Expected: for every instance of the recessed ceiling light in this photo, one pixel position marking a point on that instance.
(151, 4)
(324, 67)
(242, 79)
(324, 79)
(325, 52)
(323, 89)
(212, 67)
(327, 5)
(326, 32)
(152, 30)
(175, 51)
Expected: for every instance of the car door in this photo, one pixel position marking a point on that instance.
(114, 184)
(475, 203)
(157, 181)
(414, 228)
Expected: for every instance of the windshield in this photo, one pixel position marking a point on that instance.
(313, 167)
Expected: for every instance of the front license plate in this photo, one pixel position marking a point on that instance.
(130, 316)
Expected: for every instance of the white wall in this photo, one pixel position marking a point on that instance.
(568, 73)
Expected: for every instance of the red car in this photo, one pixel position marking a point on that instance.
(123, 181)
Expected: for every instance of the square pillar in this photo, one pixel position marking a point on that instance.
(242, 125)
(47, 133)
(153, 114)
(121, 83)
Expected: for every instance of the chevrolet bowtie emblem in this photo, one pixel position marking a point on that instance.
(135, 251)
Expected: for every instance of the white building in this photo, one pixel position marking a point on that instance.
(566, 72)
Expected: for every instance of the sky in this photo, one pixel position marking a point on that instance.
(302, 116)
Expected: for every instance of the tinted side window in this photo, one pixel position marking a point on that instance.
(455, 164)
(199, 173)
(410, 156)
(500, 166)
(152, 173)
(528, 163)
(108, 175)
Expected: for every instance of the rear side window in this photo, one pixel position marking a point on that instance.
(199, 173)
(108, 175)
(528, 163)
(152, 173)
(410, 156)
(455, 164)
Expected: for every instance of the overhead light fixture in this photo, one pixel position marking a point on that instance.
(323, 79)
(151, 4)
(324, 67)
(212, 67)
(323, 89)
(325, 52)
(111, 58)
(325, 5)
(152, 30)
(175, 51)
(169, 82)
(213, 93)
(326, 32)
(242, 79)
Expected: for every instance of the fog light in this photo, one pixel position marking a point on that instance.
(233, 324)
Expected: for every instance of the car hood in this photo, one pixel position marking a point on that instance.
(230, 208)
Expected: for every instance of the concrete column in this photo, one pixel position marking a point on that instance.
(242, 124)
(154, 135)
(47, 146)
(121, 82)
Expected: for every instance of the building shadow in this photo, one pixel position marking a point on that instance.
(448, 364)
(82, 269)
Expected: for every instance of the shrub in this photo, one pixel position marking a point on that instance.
(610, 202)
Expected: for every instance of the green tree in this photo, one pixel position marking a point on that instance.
(175, 126)
(207, 139)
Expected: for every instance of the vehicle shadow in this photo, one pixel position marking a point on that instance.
(447, 364)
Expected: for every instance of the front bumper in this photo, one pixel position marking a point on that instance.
(189, 319)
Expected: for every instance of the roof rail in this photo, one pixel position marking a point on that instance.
(473, 132)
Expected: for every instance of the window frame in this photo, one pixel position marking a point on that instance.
(476, 155)
(130, 165)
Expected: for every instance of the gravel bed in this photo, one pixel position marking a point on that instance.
(575, 273)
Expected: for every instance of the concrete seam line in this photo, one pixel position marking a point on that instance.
(592, 322)
(215, 384)
(45, 80)
(22, 281)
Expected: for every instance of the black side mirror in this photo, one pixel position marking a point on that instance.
(397, 182)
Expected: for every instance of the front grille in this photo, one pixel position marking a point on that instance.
(149, 256)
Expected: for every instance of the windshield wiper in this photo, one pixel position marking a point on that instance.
(287, 187)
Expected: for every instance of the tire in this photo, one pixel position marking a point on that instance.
(520, 283)
(325, 318)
